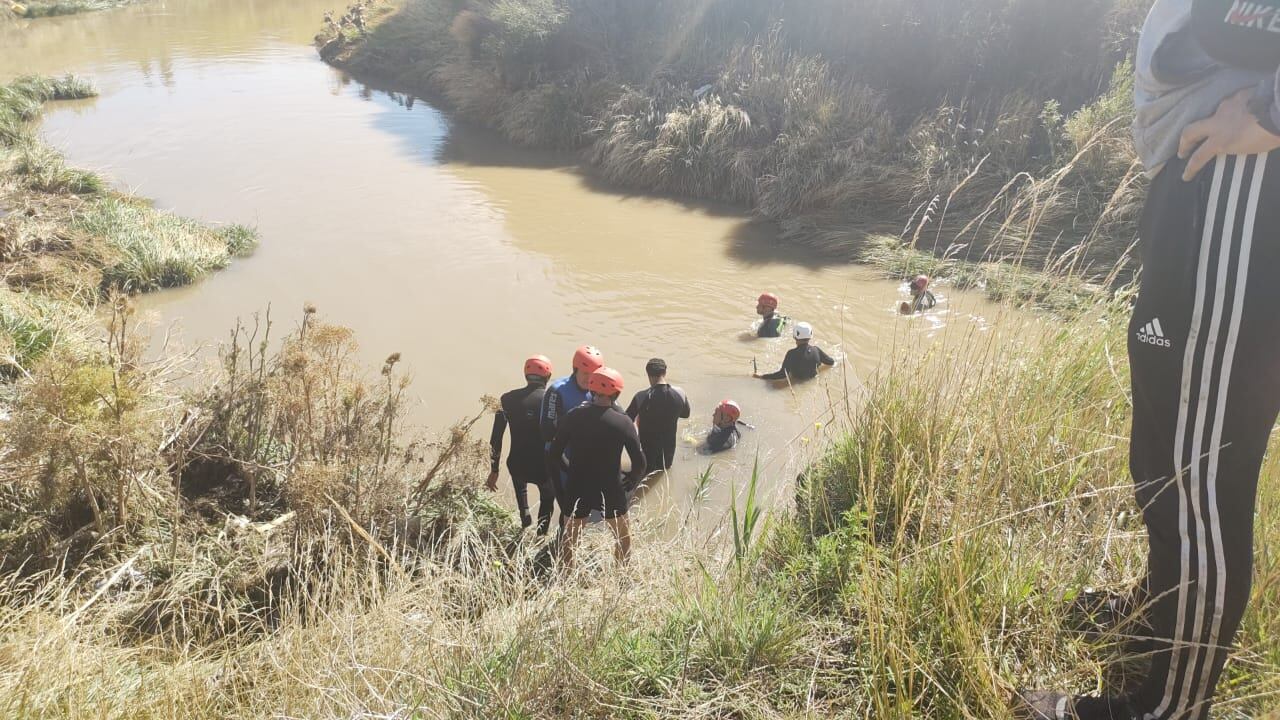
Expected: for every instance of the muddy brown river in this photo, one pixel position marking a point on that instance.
(445, 244)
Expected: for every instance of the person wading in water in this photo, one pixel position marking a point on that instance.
(656, 411)
(1202, 343)
(771, 323)
(724, 431)
(802, 361)
(921, 298)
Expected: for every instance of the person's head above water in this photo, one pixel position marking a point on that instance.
(656, 369)
(803, 333)
(726, 414)
(605, 385)
(767, 304)
(919, 284)
(586, 360)
(537, 369)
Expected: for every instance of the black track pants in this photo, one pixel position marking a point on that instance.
(1204, 350)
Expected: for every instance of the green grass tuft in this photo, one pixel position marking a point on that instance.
(158, 249)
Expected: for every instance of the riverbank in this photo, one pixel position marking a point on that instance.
(189, 508)
(70, 241)
(1031, 169)
(39, 8)
(924, 572)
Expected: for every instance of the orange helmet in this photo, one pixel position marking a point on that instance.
(727, 411)
(538, 365)
(605, 381)
(920, 283)
(768, 300)
(588, 359)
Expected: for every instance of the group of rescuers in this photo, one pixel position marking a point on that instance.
(568, 436)
(1203, 342)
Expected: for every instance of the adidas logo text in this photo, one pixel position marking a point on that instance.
(1153, 334)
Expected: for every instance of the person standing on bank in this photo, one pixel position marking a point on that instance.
(520, 410)
(564, 395)
(1202, 341)
(803, 360)
(656, 411)
(594, 436)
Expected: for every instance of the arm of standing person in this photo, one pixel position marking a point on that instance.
(1240, 127)
(779, 375)
(631, 441)
(495, 449)
(685, 410)
(825, 358)
(552, 409)
(633, 410)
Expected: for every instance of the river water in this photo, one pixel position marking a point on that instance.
(443, 243)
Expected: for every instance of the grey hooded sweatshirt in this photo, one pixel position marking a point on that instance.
(1178, 83)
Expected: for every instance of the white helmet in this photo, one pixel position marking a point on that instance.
(804, 331)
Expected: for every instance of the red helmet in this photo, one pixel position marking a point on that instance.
(588, 359)
(768, 300)
(726, 411)
(605, 381)
(538, 365)
(920, 283)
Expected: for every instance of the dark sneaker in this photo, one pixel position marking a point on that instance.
(1101, 616)
(1050, 705)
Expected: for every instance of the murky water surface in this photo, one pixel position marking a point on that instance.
(441, 242)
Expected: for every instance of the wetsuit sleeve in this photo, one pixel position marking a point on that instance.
(631, 441)
(556, 450)
(779, 375)
(552, 408)
(825, 358)
(685, 410)
(633, 410)
(495, 439)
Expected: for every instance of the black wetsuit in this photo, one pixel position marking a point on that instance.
(771, 326)
(520, 410)
(723, 438)
(597, 436)
(801, 363)
(923, 301)
(658, 410)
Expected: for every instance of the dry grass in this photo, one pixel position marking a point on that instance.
(923, 574)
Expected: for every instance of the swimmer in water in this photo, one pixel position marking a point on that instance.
(771, 323)
(921, 298)
(724, 431)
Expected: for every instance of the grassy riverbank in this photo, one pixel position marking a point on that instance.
(984, 131)
(68, 241)
(923, 572)
(40, 8)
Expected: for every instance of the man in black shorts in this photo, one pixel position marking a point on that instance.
(657, 411)
(596, 433)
